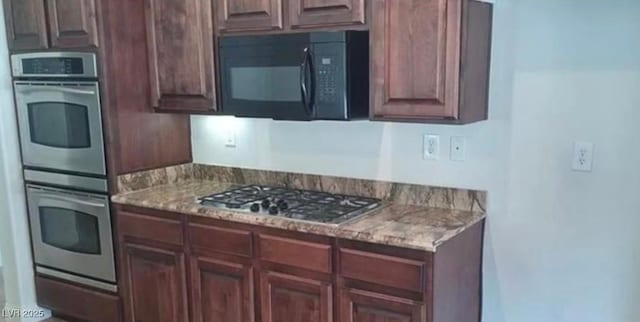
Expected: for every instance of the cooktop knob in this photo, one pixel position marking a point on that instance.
(266, 203)
(255, 207)
(283, 205)
(273, 210)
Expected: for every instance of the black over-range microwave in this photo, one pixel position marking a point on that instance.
(301, 76)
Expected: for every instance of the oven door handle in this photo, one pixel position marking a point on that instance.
(68, 199)
(32, 88)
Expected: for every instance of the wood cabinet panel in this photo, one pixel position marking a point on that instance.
(77, 302)
(180, 52)
(413, 54)
(222, 240)
(314, 13)
(398, 272)
(72, 23)
(317, 257)
(26, 24)
(430, 60)
(154, 284)
(150, 228)
(363, 306)
(246, 15)
(287, 298)
(221, 291)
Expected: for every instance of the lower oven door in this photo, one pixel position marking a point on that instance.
(61, 126)
(71, 232)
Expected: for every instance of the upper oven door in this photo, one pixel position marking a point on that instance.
(61, 126)
(267, 76)
(72, 232)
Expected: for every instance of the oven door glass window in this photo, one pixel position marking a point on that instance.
(59, 125)
(70, 230)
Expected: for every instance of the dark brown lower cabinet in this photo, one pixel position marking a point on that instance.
(288, 298)
(363, 306)
(246, 273)
(155, 284)
(221, 291)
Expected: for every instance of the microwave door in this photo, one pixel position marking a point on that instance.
(266, 81)
(60, 126)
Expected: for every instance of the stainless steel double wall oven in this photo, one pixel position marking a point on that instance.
(59, 118)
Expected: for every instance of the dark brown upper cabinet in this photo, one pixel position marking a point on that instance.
(430, 60)
(180, 48)
(249, 15)
(26, 24)
(312, 13)
(71, 24)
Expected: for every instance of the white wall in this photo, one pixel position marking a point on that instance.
(14, 235)
(561, 246)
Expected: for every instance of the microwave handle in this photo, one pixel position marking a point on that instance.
(308, 95)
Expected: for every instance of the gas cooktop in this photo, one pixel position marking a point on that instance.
(308, 205)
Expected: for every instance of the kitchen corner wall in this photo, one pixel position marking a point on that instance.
(561, 246)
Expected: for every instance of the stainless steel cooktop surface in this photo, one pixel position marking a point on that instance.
(307, 205)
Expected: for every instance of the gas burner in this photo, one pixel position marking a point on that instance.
(292, 203)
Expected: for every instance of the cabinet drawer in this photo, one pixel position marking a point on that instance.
(150, 228)
(382, 269)
(303, 254)
(75, 301)
(223, 240)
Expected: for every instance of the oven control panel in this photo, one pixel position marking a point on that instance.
(54, 64)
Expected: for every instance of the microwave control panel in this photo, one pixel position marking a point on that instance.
(327, 80)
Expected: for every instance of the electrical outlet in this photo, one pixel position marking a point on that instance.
(458, 147)
(582, 156)
(230, 139)
(431, 148)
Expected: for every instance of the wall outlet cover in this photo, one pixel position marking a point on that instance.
(431, 148)
(582, 156)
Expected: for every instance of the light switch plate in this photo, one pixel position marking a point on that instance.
(582, 156)
(230, 139)
(431, 148)
(458, 147)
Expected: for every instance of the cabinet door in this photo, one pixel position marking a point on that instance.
(363, 306)
(221, 291)
(245, 15)
(26, 24)
(319, 13)
(415, 51)
(154, 284)
(287, 298)
(72, 23)
(180, 50)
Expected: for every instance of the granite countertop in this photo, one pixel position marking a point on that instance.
(416, 226)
